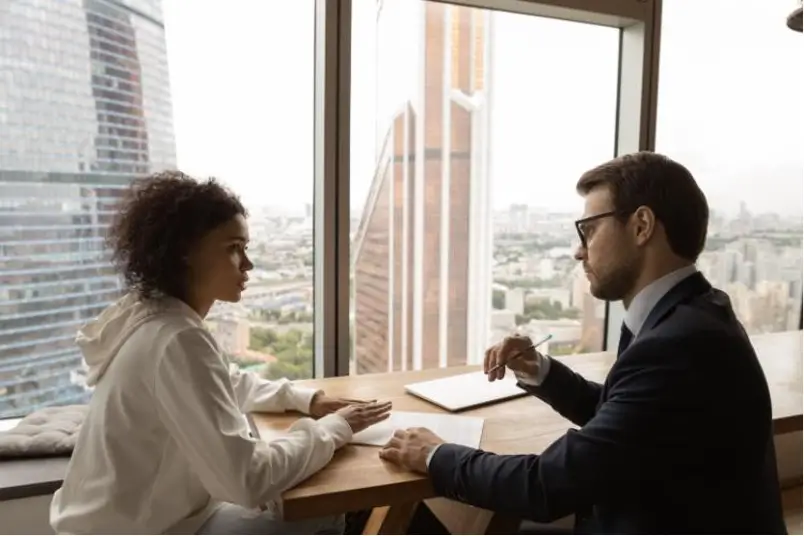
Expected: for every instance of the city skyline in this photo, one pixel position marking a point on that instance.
(500, 161)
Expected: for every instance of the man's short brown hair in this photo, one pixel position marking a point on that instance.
(661, 184)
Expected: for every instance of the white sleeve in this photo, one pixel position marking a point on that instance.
(257, 394)
(196, 402)
(542, 369)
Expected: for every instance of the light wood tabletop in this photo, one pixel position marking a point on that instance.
(357, 479)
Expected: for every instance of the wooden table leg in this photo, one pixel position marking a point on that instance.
(500, 524)
(393, 519)
(461, 518)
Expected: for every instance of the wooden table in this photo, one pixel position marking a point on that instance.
(357, 479)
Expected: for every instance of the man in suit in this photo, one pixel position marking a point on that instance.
(678, 439)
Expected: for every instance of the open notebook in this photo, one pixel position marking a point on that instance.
(464, 391)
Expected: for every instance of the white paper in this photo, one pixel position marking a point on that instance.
(465, 431)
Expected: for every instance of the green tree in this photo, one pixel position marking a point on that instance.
(307, 340)
(293, 336)
(294, 356)
(245, 362)
(549, 310)
(292, 370)
(497, 299)
(531, 282)
(262, 338)
(543, 310)
(269, 315)
(563, 349)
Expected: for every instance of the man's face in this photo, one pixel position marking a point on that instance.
(610, 258)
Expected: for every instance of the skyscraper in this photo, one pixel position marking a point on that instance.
(421, 255)
(85, 108)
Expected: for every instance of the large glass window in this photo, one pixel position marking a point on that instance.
(242, 77)
(730, 109)
(106, 93)
(470, 128)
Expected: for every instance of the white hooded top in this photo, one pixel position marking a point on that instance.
(165, 440)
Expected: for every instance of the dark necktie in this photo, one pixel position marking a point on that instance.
(625, 339)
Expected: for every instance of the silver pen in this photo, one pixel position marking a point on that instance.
(531, 347)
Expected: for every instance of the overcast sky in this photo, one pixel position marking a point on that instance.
(729, 101)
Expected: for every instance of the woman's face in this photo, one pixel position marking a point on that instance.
(219, 265)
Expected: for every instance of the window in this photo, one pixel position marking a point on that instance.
(469, 129)
(730, 110)
(241, 85)
(245, 115)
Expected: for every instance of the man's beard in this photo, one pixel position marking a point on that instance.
(615, 285)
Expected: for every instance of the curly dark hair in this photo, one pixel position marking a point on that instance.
(159, 219)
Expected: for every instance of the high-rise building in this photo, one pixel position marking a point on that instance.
(421, 255)
(85, 107)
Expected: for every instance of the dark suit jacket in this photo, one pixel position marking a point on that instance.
(677, 440)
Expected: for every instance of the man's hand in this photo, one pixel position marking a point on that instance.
(514, 352)
(322, 404)
(410, 448)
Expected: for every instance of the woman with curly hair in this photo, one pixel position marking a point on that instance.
(165, 447)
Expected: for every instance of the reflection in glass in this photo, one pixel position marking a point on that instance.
(463, 227)
(87, 110)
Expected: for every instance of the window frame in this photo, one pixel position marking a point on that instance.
(331, 189)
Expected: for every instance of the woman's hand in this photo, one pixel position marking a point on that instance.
(361, 416)
(322, 404)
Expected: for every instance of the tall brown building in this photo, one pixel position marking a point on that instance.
(421, 252)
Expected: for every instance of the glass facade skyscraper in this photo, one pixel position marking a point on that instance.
(84, 108)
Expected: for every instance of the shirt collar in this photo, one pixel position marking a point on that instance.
(647, 298)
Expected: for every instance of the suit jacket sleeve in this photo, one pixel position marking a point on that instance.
(630, 439)
(567, 392)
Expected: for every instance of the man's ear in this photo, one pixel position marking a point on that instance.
(644, 225)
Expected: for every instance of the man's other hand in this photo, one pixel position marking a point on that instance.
(410, 448)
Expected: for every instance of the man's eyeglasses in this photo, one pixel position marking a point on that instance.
(583, 227)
